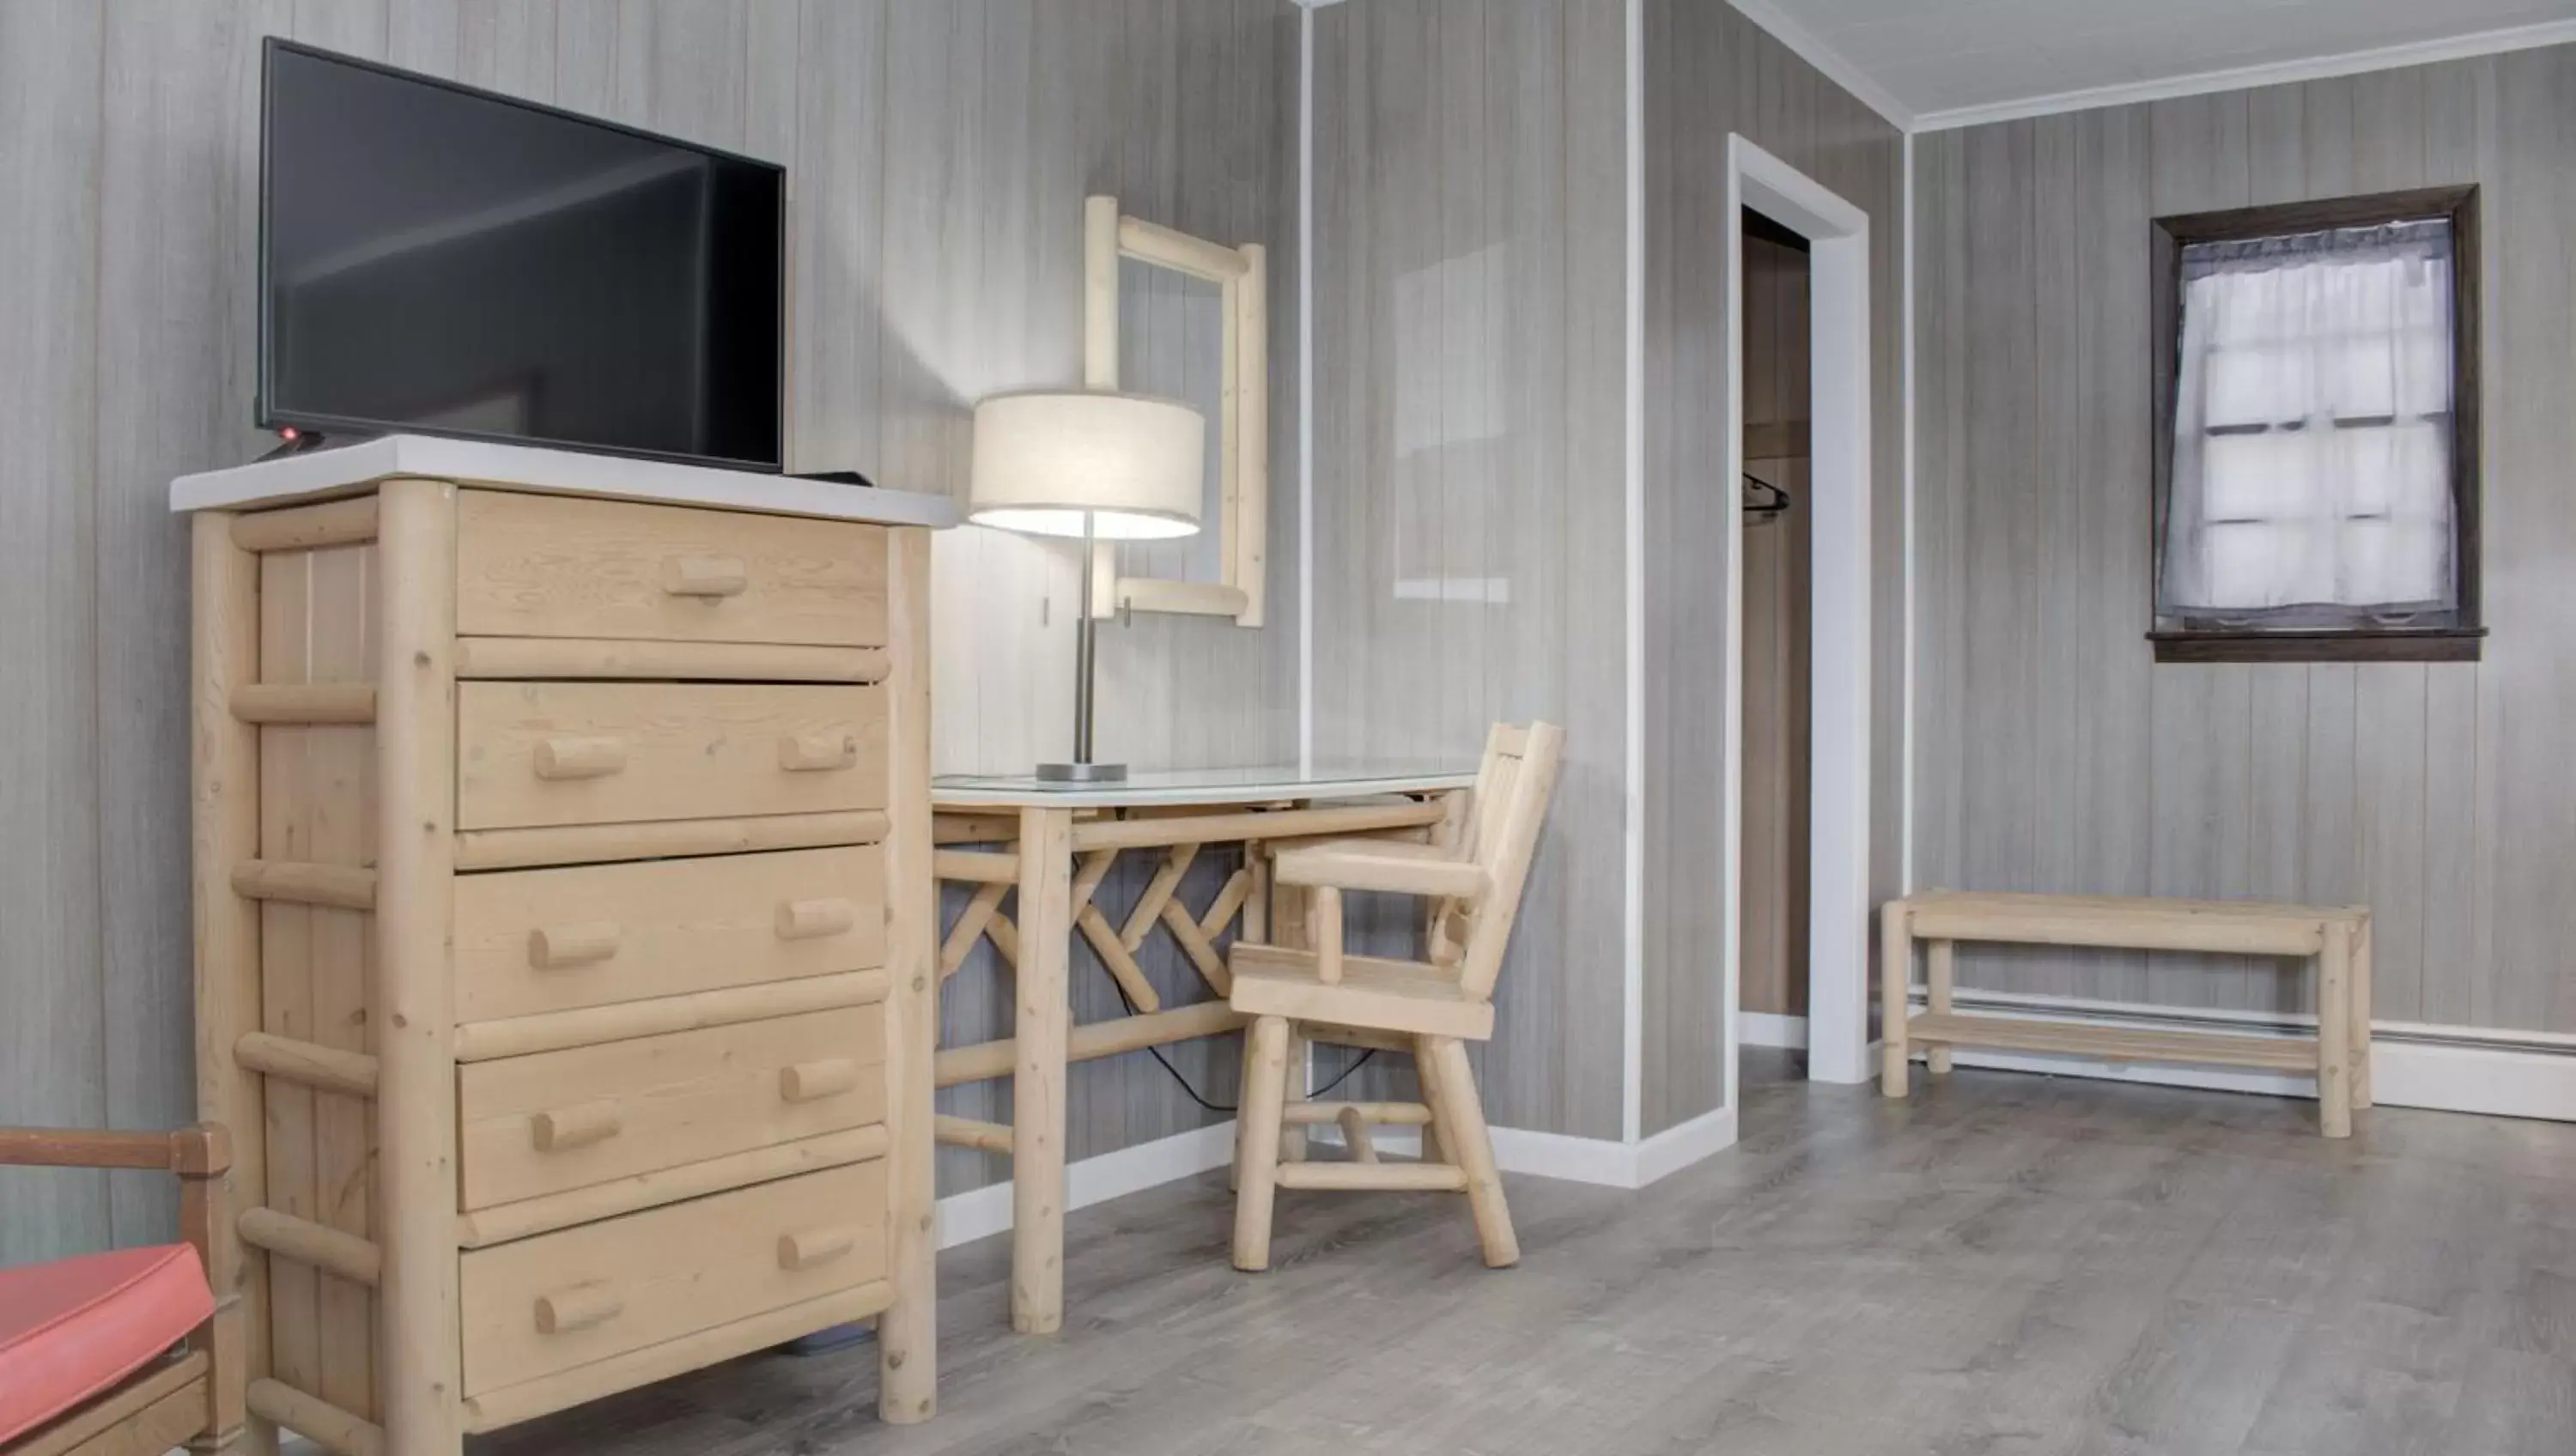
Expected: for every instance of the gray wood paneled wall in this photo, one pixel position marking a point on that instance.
(938, 153)
(2053, 754)
(1711, 72)
(1470, 277)
(1470, 467)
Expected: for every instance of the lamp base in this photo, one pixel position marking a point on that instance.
(1082, 773)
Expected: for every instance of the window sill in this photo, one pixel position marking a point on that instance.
(2398, 644)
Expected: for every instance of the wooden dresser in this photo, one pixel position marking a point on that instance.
(563, 926)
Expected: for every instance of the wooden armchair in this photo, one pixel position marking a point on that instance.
(87, 1359)
(1430, 1007)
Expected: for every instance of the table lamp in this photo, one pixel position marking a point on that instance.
(1096, 466)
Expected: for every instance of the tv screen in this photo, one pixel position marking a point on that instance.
(441, 260)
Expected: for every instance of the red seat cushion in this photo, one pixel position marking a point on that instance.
(72, 1329)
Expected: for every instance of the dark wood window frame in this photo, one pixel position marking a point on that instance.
(2457, 641)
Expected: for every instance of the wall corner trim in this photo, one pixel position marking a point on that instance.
(1632, 796)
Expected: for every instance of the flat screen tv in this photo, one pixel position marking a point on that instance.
(440, 260)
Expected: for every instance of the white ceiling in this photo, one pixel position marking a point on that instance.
(1936, 56)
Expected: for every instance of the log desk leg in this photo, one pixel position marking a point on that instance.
(1055, 898)
(1038, 1072)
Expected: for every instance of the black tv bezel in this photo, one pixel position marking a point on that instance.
(267, 417)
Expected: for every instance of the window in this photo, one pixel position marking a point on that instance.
(2316, 451)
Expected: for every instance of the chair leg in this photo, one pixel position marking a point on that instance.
(1242, 1105)
(1424, 1075)
(1292, 1140)
(1461, 1120)
(1264, 1104)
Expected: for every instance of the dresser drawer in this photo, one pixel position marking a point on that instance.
(553, 566)
(546, 753)
(559, 1300)
(542, 1124)
(533, 941)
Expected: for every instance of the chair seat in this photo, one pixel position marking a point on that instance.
(73, 1329)
(1383, 995)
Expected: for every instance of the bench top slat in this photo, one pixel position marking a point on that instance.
(2137, 904)
(2250, 927)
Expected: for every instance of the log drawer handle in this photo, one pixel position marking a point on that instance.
(814, 919)
(580, 758)
(552, 947)
(563, 1129)
(705, 576)
(577, 1308)
(813, 1081)
(809, 1248)
(818, 752)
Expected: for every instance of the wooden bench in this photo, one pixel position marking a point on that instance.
(2336, 938)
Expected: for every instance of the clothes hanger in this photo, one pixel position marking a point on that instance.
(1769, 505)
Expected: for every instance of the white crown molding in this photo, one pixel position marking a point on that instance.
(1825, 58)
(2273, 73)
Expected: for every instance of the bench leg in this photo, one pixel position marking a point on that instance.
(2334, 1035)
(1896, 962)
(2361, 1014)
(1938, 970)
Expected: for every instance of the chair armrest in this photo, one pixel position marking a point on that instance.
(1348, 865)
(199, 1151)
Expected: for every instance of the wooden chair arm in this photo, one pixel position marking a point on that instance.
(1348, 866)
(1389, 847)
(201, 1151)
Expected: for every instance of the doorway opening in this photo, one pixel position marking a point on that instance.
(1824, 532)
(1771, 933)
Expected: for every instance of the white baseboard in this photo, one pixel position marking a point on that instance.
(1679, 1146)
(982, 1212)
(1770, 1029)
(2500, 1081)
(2443, 1069)
(1605, 1162)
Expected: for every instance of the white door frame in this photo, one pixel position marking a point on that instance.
(1838, 659)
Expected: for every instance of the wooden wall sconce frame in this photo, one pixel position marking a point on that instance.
(1243, 423)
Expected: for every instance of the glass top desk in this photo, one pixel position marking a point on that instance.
(1054, 844)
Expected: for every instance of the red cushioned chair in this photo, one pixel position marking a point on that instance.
(127, 1351)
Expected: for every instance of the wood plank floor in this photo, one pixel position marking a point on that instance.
(2005, 1263)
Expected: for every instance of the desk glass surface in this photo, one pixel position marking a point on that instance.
(1259, 783)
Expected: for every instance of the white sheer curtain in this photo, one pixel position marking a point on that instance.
(2311, 456)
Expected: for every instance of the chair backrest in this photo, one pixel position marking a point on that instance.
(1513, 787)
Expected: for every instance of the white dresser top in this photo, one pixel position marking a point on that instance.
(341, 469)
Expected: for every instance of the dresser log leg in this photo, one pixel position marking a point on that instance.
(908, 1331)
(224, 769)
(419, 1383)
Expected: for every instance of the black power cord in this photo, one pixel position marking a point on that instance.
(1193, 1093)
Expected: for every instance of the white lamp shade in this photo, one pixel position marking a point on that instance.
(1133, 463)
